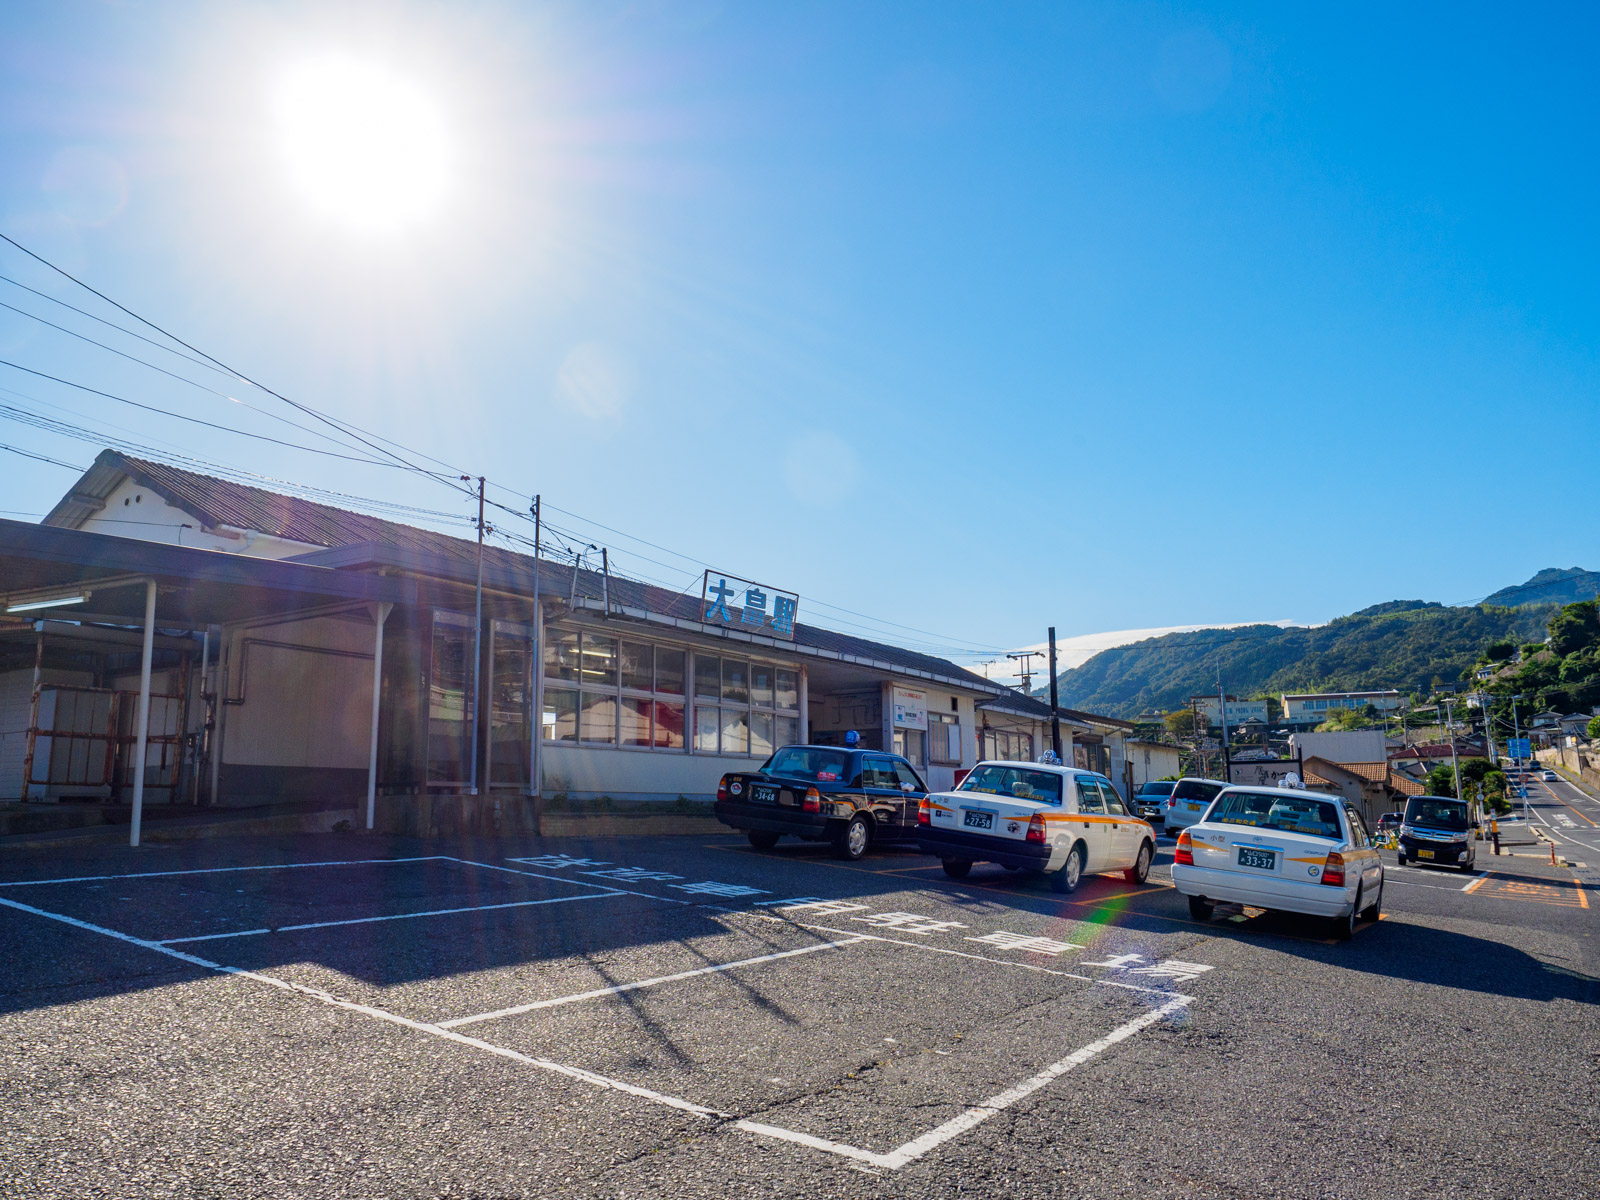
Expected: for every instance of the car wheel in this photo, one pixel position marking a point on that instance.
(855, 839)
(957, 868)
(1344, 928)
(762, 841)
(1401, 858)
(1375, 909)
(1070, 874)
(1140, 871)
(1200, 908)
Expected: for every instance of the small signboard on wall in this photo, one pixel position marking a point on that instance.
(728, 600)
(1268, 773)
(910, 709)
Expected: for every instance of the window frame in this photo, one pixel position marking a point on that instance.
(688, 702)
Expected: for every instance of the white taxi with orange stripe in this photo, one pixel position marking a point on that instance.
(1039, 817)
(1281, 848)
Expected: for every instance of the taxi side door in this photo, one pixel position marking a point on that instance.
(1369, 858)
(912, 790)
(882, 792)
(1091, 823)
(1126, 832)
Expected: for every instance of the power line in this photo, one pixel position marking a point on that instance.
(44, 458)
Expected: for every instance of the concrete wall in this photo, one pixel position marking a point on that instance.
(303, 708)
(586, 772)
(1351, 746)
(1151, 760)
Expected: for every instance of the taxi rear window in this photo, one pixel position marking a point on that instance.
(1019, 783)
(1287, 814)
(808, 762)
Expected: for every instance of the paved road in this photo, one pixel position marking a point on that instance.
(692, 1018)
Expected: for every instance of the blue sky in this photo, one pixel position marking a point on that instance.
(975, 319)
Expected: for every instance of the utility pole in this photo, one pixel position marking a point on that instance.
(1055, 717)
(1455, 763)
(536, 700)
(1222, 707)
(477, 645)
(1026, 673)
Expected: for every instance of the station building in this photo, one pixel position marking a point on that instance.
(301, 651)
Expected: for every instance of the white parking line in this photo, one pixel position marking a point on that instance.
(353, 862)
(994, 1106)
(379, 1014)
(436, 912)
(644, 983)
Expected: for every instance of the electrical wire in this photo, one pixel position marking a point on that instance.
(44, 458)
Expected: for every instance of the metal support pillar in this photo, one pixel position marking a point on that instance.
(380, 614)
(142, 718)
(33, 713)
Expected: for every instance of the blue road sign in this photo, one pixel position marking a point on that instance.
(1519, 747)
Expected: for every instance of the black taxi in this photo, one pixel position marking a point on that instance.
(851, 798)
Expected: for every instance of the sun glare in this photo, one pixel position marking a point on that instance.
(366, 147)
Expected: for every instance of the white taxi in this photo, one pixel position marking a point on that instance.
(1281, 848)
(1037, 817)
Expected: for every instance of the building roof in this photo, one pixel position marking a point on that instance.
(1337, 695)
(353, 541)
(1428, 750)
(1368, 772)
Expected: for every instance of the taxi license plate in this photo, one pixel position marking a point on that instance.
(763, 795)
(1424, 853)
(1261, 860)
(978, 820)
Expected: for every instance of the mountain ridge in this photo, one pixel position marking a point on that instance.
(1404, 644)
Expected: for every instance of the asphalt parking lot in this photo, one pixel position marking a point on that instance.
(690, 1017)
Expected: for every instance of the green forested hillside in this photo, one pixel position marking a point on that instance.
(1402, 644)
(1550, 586)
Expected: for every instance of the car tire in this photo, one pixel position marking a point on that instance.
(1069, 875)
(1140, 871)
(854, 839)
(761, 840)
(1344, 928)
(1401, 859)
(957, 868)
(1200, 908)
(1374, 911)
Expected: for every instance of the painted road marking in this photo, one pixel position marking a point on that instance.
(992, 1107)
(519, 1009)
(1021, 941)
(1477, 883)
(379, 1014)
(437, 912)
(353, 862)
(905, 922)
(892, 1160)
(1559, 893)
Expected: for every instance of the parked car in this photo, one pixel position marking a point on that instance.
(1060, 821)
(1390, 822)
(1150, 798)
(1281, 848)
(1190, 797)
(852, 798)
(1438, 831)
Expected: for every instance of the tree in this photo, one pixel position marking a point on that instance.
(1347, 718)
(1180, 723)
(1574, 627)
(1499, 651)
(1442, 781)
(1594, 727)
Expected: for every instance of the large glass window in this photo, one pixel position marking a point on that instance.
(604, 689)
(512, 660)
